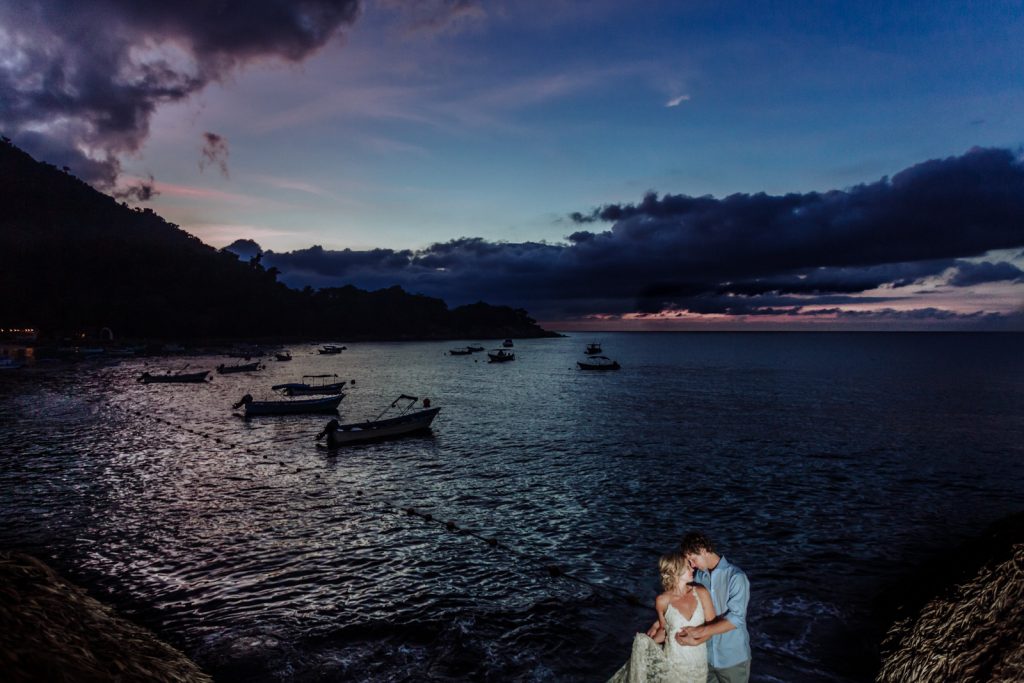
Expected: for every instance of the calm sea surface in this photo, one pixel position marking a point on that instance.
(825, 465)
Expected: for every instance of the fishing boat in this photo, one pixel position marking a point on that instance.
(474, 349)
(311, 384)
(331, 349)
(598, 363)
(507, 344)
(381, 428)
(500, 356)
(310, 406)
(247, 367)
(283, 356)
(175, 378)
(459, 352)
(593, 349)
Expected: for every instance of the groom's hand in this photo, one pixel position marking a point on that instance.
(684, 636)
(697, 632)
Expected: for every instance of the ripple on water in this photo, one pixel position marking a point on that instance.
(822, 464)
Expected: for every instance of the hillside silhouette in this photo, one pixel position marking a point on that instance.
(74, 259)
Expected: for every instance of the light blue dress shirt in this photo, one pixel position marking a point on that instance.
(730, 594)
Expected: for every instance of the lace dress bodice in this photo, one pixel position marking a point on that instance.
(686, 655)
(671, 663)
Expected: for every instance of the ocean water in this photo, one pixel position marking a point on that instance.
(825, 465)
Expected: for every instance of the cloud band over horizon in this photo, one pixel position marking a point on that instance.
(884, 244)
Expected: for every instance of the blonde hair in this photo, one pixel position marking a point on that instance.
(671, 566)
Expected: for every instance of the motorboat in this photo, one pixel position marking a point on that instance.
(246, 367)
(407, 422)
(174, 378)
(312, 406)
(459, 352)
(500, 356)
(311, 384)
(598, 363)
(474, 349)
(331, 349)
(593, 349)
(283, 356)
(507, 344)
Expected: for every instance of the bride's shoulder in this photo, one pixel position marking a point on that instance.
(662, 600)
(700, 589)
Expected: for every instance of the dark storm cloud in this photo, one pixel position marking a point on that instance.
(214, 153)
(977, 273)
(744, 254)
(79, 81)
(844, 279)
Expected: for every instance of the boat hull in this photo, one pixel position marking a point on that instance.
(315, 406)
(229, 369)
(501, 357)
(313, 391)
(592, 366)
(382, 429)
(189, 378)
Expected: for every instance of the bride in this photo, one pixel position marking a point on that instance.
(682, 605)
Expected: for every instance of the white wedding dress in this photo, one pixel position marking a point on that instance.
(670, 663)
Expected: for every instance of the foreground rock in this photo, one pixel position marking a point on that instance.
(50, 630)
(963, 619)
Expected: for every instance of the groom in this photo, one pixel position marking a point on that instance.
(726, 635)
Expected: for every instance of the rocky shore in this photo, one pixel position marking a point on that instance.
(51, 630)
(961, 618)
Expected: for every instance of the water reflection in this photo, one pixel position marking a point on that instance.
(809, 458)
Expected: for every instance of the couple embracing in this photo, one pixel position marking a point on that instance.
(701, 631)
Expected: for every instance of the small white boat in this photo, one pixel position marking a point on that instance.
(308, 406)
(310, 385)
(500, 356)
(598, 363)
(377, 428)
(459, 352)
(331, 349)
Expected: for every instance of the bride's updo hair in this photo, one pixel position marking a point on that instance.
(671, 566)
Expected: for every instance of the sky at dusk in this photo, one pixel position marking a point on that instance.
(606, 165)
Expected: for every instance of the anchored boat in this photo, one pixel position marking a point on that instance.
(311, 384)
(308, 406)
(598, 363)
(371, 430)
(247, 367)
(500, 356)
(331, 349)
(175, 378)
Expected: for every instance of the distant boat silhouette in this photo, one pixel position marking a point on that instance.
(247, 367)
(177, 378)
(598, 363)
(500, 356)
(331, 349)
